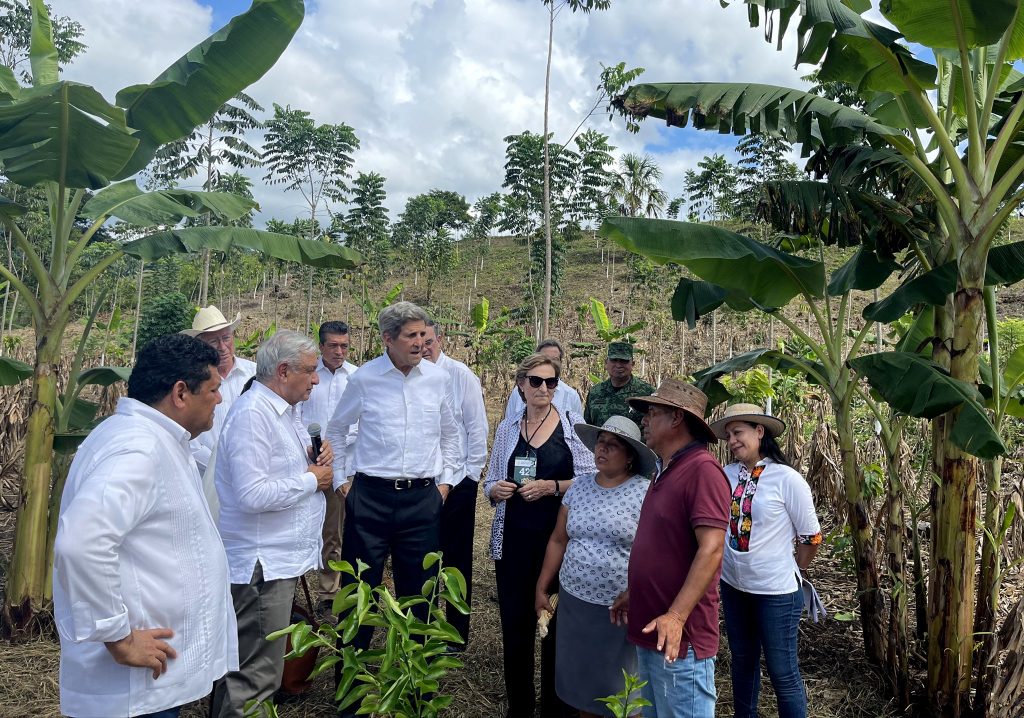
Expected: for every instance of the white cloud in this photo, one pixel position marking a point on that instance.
(432, 86)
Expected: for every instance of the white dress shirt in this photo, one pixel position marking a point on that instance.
(566, 399)
(319, 407)
(407, 425)
(230, 389)
(137, 548)
(270, 508)
(468, 402)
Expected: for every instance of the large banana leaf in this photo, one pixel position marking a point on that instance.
(324, 255)
(849, 47)
(188, 92)
(934, 24)
(9, 208)
(13, 371)
(755, 274)
(126, 201)
(864, 270)
(65, 133)
(694, 299)
(104, 375)
(42, 54)
(739, 108)
(919, 387)
(1005, 266)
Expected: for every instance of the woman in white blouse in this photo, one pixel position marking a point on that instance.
(771, 511)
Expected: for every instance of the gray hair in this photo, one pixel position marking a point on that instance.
(285, 347)
(392, 318)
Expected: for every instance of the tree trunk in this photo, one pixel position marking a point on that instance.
(204, 279)
(992, 538)
(26, 579)
(897, 644)
(951, 595)
(547, 178)
(138, 308)
(859, 520)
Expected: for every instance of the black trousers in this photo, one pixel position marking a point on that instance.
(516, 574)
(458, 521)
(380, 520)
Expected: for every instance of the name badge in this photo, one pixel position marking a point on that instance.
(524, 469)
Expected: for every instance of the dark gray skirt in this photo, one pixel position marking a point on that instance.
(590, 654)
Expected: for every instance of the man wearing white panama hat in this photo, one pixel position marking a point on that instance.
(211, 327)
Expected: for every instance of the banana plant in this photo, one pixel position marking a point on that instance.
(954, 117)
(82, 150)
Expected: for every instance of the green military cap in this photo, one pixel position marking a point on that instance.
(620, 350)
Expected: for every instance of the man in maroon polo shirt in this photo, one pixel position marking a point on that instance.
(671, 601)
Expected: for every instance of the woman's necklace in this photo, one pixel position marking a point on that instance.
(526, 422)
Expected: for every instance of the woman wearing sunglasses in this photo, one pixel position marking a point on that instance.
(534, 457)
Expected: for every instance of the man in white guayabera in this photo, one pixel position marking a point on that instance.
(271, 511)
(140, 580)
(210, 327)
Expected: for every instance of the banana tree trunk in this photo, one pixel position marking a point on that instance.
(988, 586)
(865, 561)
(951, 596)
(27, 579)
(897, 644)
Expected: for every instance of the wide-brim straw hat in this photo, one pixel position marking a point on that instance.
(210, 319)
(627, 430)
(679, 395)
(751, 413)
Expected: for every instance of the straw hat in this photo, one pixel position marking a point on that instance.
(751, 413)
(209, 319)
(628, 431)
(679, 395)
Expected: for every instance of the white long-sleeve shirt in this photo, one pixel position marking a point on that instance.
(407, 425)
(270, 508)
(468, 402)
(566, 399)
(319, 407)
(230, 389)
(137, 548)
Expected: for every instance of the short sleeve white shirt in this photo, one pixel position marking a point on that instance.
(781, 510)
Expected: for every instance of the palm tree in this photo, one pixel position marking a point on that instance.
(636, 187)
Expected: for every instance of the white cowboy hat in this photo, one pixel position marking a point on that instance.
(751, 413)
(209, 319)
(627, 430)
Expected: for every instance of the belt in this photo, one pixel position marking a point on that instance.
(396, 484)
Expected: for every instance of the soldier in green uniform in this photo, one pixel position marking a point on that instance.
(608, 398)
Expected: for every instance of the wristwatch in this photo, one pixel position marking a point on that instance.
(557, 490)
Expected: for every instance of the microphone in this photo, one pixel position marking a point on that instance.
(314, 437)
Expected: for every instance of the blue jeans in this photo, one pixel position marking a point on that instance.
(756, 622)
(684, 689)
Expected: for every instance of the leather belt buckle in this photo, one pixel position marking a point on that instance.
(403, 484)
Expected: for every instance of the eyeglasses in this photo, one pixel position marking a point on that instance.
(536, 381)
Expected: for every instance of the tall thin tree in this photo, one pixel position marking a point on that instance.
(555, 7)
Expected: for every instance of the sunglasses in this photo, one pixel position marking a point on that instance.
(536, 381)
